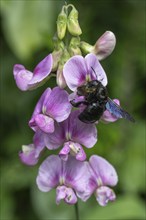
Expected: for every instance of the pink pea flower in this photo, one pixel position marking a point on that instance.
(68, 177)
(52, 106)
(30, 153)
(27, 80)
(79, 70)
(102, 175)
(71, 134)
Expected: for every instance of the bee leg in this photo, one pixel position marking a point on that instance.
(77, 104)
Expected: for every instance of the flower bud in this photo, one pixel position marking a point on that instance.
(105, 45)
(74, 47)
(73, 24)
(86, 48)
(56, 54)
(61, 24)
(60, 78)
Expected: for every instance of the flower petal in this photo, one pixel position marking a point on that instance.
(49, 173)
(58, 106)
(105, 45)
(93, 64)
(30, 153)
(39, 108)
(63, 192)
(86, 135)
(60, 193)
(74, 72)
(27, 155)
(22, 76)
(103, 171)
(81, 156)
(45, 123)
(63, 154)
(70, 196)
(42, 70)
(77, 151)
(17, 68)
(55, 139)
(104, 194)
(107, 116)
(76, 175)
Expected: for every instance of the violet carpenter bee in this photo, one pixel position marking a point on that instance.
(96, 102)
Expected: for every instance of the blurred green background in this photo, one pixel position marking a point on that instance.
(27, 28)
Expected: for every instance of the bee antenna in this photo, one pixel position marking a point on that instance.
(94, 72)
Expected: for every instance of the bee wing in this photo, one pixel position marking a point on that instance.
(117, 111)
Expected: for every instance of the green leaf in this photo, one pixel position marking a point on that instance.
(25, 23)
(125, 207)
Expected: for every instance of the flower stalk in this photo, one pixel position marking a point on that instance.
(77, 211)
(56, 124)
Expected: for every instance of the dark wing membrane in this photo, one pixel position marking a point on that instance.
(117, 111)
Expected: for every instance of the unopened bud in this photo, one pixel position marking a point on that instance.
(56, 57)
(61, 24)
(74, 46)
(105, 45)
(60, 78)
(86, 48)
(73, 24)
(57, 53)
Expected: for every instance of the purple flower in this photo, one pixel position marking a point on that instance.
(72, 133)
(68, 177)
(27, 80)
(105, 45)
(53, 105)
(102, 175)
(31, 153)
(79, 70)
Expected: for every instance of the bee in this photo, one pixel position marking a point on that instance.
(96, 102)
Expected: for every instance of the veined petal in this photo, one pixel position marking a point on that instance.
(93, 64)
(22, 76)
(49, 173)
(17, 68)
(45, 123)
(39, 108)
(27, 155)
(77, 151)
(70, 198)
(104, 194)
(105, 45)
(58, 106)
(63, 192)
(42, 70)
(38, 140)
(81, 156)
(60, 193)
(55, 139)
(86, 135)
(63, 154)
(30, 153)
(76, 175)
(103, 171)
(75, 71)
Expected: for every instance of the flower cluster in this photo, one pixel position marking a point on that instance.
(55, 122)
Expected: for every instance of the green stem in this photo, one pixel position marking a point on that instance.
(77, 211)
